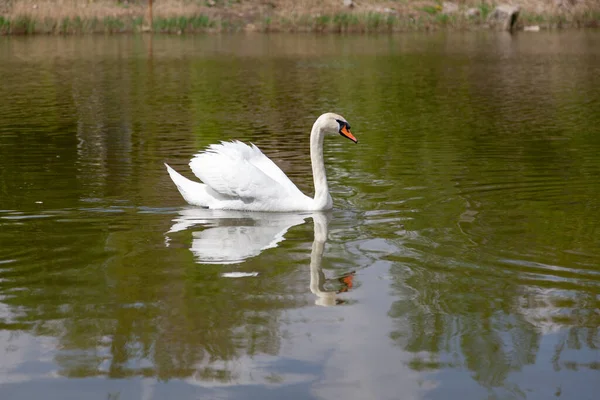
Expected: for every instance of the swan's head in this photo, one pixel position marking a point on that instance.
(335, 123)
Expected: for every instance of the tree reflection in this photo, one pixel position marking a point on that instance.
(134, 318)
(493, 176)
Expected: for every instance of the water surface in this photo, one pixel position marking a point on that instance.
(461, 259)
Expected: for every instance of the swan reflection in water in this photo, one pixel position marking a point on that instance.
(231, 237)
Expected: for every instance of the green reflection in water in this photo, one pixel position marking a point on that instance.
(469, 212)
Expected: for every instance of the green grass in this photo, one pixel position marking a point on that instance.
(64, 26)
(182, 24)
(137, 23)
(113, 25)
(342, 22)
(109, 24)
(202, 21)
(442, 19)
(22, 24)
(4, 25)
(537, 19)
(373, 21)
(228, 25)
(321, 23)
(431, 10)
(390, 21)
(485, 9)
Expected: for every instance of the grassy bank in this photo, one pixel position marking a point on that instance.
(185, 16)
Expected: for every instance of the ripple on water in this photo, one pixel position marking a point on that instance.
(533, 271)
(55, 246)
(21, 217)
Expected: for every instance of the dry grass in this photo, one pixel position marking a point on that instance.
(178, 16)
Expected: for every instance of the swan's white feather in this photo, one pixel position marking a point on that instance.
(196, 194)
(242, 172)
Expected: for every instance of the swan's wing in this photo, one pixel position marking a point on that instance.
(266, 165)
(238, 170)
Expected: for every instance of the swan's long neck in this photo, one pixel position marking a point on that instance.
(322, 198)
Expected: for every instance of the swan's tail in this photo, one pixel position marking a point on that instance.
(193, 192)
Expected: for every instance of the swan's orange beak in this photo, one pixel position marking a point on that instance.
(346, 132)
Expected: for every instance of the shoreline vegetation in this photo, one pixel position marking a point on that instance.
(324, 16)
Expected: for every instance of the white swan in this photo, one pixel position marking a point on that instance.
(236, 176)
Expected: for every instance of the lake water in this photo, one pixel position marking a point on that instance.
(461, 259)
